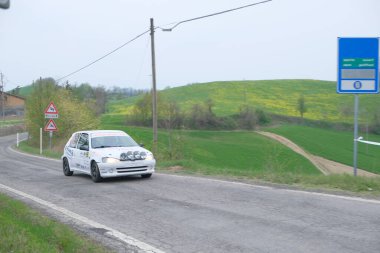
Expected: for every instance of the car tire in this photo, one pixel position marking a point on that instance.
(95, 174)
(146, 175)
(66, 168)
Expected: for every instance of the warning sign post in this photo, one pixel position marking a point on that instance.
(51, 126)
(51, 112)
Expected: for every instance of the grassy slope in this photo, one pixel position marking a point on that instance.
(233, 153)
(26, 90)
(247, 155)
(237, 153)
(276, 96)
(23, 146)
(24, 230)
(11, 122)
(333, 145)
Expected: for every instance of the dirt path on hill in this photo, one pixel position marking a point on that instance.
(325, 166)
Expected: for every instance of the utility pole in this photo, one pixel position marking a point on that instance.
(154, 91)
(2, 94)
(356, 112)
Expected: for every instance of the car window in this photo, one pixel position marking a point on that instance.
(83, 141)
(112, 141)
(74, 141)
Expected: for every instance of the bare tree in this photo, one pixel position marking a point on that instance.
(301, 105)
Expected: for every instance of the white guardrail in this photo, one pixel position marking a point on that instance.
(21, 137)
(360, 139)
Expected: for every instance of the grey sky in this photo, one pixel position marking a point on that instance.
(283, 39)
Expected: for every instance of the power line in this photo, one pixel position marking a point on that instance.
(10, 81)
(164, 29)
(6, 79)
(104, 56)
(213, 14)
(142, 60)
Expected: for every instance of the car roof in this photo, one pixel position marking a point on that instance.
(101, 132)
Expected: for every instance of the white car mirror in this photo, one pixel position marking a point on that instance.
(4, 4)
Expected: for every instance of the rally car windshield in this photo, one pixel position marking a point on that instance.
(112, 141)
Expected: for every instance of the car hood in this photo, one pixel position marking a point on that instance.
(117, 151)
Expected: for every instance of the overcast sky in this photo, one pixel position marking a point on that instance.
(282, 39)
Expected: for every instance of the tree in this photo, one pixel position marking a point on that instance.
(74, 115)
(170, 117)
(247, 118)
(262, 117)
(301, 106)
(16, 91)
(142, 111)
(100, 96)
(197, 118)
(201, 116)
(375, 124)
(95, 98)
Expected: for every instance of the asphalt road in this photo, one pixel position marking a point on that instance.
(189, 214)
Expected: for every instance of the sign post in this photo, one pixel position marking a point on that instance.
(51, 113)
(358, 73)
(40, 141)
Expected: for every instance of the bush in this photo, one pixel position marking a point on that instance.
(262, 117)
(73, 114)
(375, 126)
(247, 118)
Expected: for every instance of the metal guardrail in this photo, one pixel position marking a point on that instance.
(9, 130)
(360, 139)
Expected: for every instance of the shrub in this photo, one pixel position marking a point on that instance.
(73, 114)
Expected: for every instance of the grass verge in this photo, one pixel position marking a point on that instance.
(346, 183)
(237, 155)
(24, 147)
(25, 230)
(11, 122)
(333, 145)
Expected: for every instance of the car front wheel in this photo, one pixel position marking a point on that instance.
(95, 174)
(66, 168)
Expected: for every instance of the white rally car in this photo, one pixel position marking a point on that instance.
(106, 153)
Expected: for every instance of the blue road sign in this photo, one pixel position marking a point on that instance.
(358, 65)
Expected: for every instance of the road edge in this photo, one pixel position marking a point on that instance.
(76, 218)
(266, 185)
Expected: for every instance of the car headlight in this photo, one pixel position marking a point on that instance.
(109, 160)
(136, 155)
(149, 157)
(143, 155)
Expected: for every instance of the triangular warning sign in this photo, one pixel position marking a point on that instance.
(51, 126)
(51, 109)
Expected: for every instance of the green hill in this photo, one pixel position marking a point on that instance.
(26, 90)
(238, 153)
(275, 96)
(23, 91)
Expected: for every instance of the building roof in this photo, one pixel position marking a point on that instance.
(17, 96)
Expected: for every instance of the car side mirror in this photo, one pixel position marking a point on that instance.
(84, 147)
(4, 4)
(142, 145)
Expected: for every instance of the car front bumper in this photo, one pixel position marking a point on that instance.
(126, 168)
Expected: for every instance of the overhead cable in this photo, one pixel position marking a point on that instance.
(104, 56)
(164, 29)
(214, 14)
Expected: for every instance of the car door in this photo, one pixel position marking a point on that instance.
(70, 150)
(82, 153)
